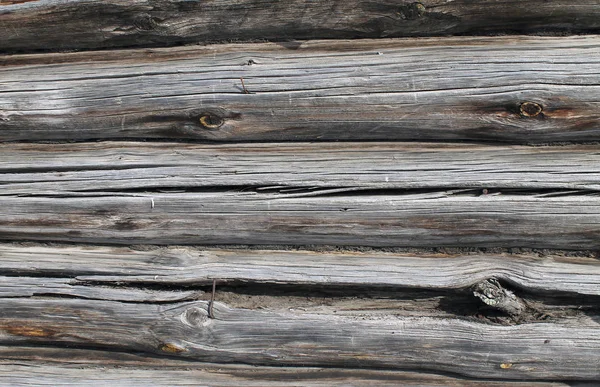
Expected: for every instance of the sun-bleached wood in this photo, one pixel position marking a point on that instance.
(550, 273)
(113, 166)
(34, 287)
(544, 351)
(444, 218)
(168, 373)
(508, 89)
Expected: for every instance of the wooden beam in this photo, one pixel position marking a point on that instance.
(284, 167)
(30, 287)
(443, 218)
(83, 24)
(187, 266)
(544, 351)
(168, 372)
(506, 89)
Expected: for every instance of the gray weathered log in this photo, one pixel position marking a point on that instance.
(169, 372)
(547, 351)
(83, 24)
(106, 166)
(550, 273)
(415, 220)
(27, 287)
(511, 89)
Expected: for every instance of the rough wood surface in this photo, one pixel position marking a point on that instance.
(511, 89)
(569, 221)
(28, 287)
(548, 274)
(44, 375)
(125, 304)
(107, 166)
(551, 351)
(167, 373)
(83, 24)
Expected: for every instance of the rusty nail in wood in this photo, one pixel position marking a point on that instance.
(530, 109)
(485, 191)
(244, 90)
(212, 300)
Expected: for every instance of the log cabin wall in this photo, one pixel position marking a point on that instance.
(299, 193)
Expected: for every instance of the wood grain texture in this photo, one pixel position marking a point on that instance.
(508, 89)
(171, 266)
(29, 287)
(544, 351)
(83, 24)
(168, 372)
(414, 220)
(284, 167)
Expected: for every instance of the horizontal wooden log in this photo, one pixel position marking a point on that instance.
(169, 373)
(28, 287)
(510, 89)
(82, 24)
(85, 167)
(172, 266)
(546, 351)
(442, 218)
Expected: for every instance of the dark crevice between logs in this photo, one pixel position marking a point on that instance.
(319, 248)
(319, 191)
(169, 137)
(491, 301)
(293, 43)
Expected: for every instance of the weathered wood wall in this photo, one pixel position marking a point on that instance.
(260, 209)
(550, 338)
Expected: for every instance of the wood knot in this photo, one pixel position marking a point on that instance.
(146, 23)
(172, 348)
(530, 109)
(195, 317)
(211, 121)
(493, 294)
(411, 11)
